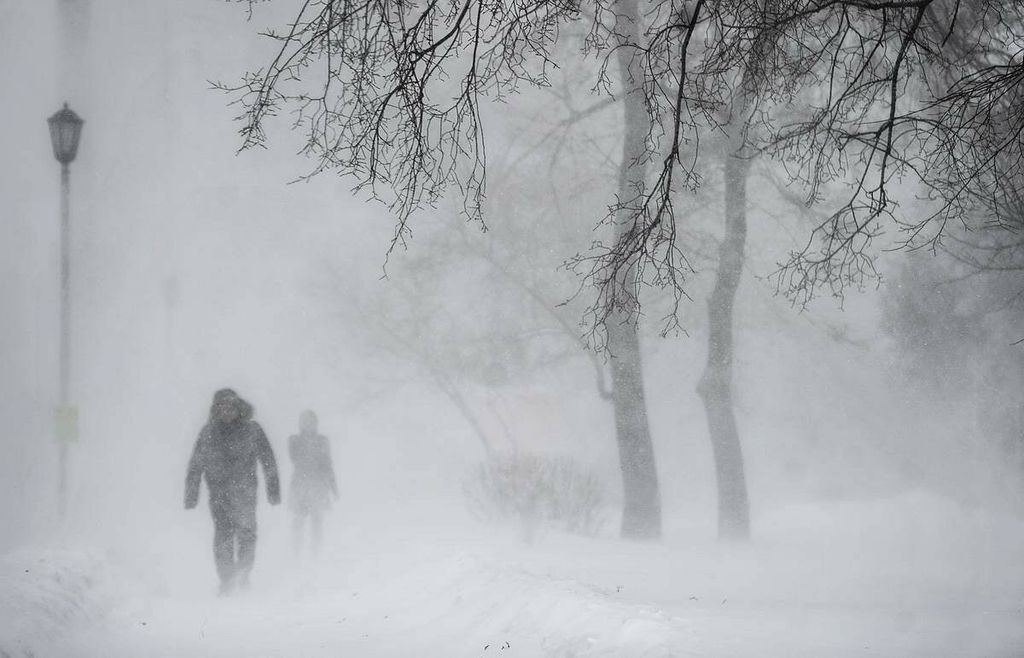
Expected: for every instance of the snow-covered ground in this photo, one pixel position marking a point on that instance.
(910, 575)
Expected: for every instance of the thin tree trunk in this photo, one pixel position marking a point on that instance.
(715, 386)
(641, 510)
(453, 394)
(641, 513)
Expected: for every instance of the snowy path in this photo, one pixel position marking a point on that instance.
(430, 602)
(393, 596)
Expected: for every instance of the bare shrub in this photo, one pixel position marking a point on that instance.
(536, 490)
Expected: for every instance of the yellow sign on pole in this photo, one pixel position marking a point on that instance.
(66, 424)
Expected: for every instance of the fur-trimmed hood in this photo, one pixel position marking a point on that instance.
(245, 410)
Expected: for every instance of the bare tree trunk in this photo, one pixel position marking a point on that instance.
(445, 385)
(715, 387)
(452, 392)
(641, 512)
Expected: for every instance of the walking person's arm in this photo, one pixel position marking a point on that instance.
(195, 471)
(266, 456)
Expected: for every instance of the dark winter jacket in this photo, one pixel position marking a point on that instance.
(226, 455)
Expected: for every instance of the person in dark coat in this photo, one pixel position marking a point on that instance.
(313, 483)
(226, 453)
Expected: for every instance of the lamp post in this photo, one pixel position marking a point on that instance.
(65, 131)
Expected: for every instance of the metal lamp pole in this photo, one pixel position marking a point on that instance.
(65, 131)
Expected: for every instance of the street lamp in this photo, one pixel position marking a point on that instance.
(65, 131)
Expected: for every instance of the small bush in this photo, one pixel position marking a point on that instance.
(536, 491)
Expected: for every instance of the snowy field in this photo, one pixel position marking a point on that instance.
(908, 576)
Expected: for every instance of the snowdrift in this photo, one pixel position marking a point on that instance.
(49, 594)
(914, 575)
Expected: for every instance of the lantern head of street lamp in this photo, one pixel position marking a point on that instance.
(65, 129)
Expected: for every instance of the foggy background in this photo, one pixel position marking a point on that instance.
(195, 268)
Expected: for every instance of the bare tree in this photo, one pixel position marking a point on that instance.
(925, 93)
(852, 96)
(474, 313)
(956, 328)
(391, 92)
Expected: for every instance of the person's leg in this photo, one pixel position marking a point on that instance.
(224, 550)
(316, 518)
(298, 520)
(246, 532)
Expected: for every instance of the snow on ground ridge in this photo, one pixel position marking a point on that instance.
(889, 578)
(48, 594)
(477, 600)
(425, 597)
(569, 617)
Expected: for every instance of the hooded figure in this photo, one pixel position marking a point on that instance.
(226, 452)
(313, 482)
